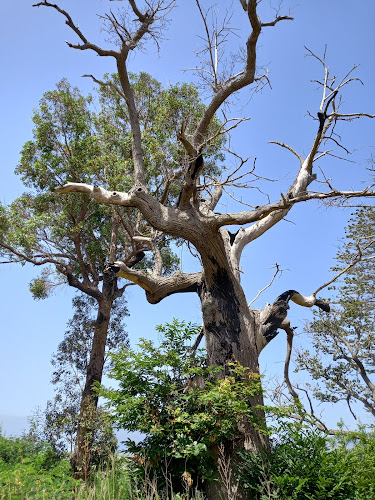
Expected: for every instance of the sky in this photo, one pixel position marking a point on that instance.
(34, 57)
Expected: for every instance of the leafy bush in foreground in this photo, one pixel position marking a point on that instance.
(304, 463)
(174, 399)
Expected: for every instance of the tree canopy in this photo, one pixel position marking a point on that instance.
(342, 358)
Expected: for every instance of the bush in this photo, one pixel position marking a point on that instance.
(360, 448)
(12, 450)
(176, 402)
(304, 463)
(29, 468)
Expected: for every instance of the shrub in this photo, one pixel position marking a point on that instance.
(29, 468)
(305, 463)
(174, 399)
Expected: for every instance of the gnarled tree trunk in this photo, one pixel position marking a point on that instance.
(231, 329)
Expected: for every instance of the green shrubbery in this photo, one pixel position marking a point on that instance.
(174, 399)
(183, 412)
(304, 463)
(30, 469)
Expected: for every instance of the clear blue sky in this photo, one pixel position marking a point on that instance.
(34, 57)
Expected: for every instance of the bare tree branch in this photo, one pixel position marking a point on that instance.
(267, 286)
(289, 148)
(106, 84)
(233, 84)
(285, 325)
(358, 258)
(158, 287)
(69, 22)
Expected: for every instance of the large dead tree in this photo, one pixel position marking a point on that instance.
(233, 331)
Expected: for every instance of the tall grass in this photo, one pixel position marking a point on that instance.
(29, 473)
(117, 482)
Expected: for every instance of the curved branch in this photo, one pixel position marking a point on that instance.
(99, 194)
(351, 116)
(273, 316)
(244, 78)
(136, 11)
(158, 260)
(73, 281)
(214, 199)
(158, 287)
(359, 366)
(277, 20)
(106, 84)
(285, 325)
(289, 149)
(358, 258)
(34, 260)
(86, 44)
(267, 286)
(166, 219)
(139, 166)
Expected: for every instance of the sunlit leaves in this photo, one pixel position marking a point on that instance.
(176, 400)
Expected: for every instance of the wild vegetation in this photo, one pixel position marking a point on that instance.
(303, 464)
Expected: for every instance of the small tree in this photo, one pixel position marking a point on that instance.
(342, 357)
(169, 394)
(70, 362)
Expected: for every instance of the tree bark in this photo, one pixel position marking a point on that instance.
(230, 330)
(81, 460)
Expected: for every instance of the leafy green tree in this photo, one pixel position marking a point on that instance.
(62, 237)
(342, 357)
(73, 239)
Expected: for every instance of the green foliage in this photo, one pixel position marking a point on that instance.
(12, 450)
(33, 475)
(360, 448)
(73, 140)
(29, 468)
(178, 403)
(306, 464)
(343, 352)
(72, 357)
(64, 145)
(38, 288)
(112, 481)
